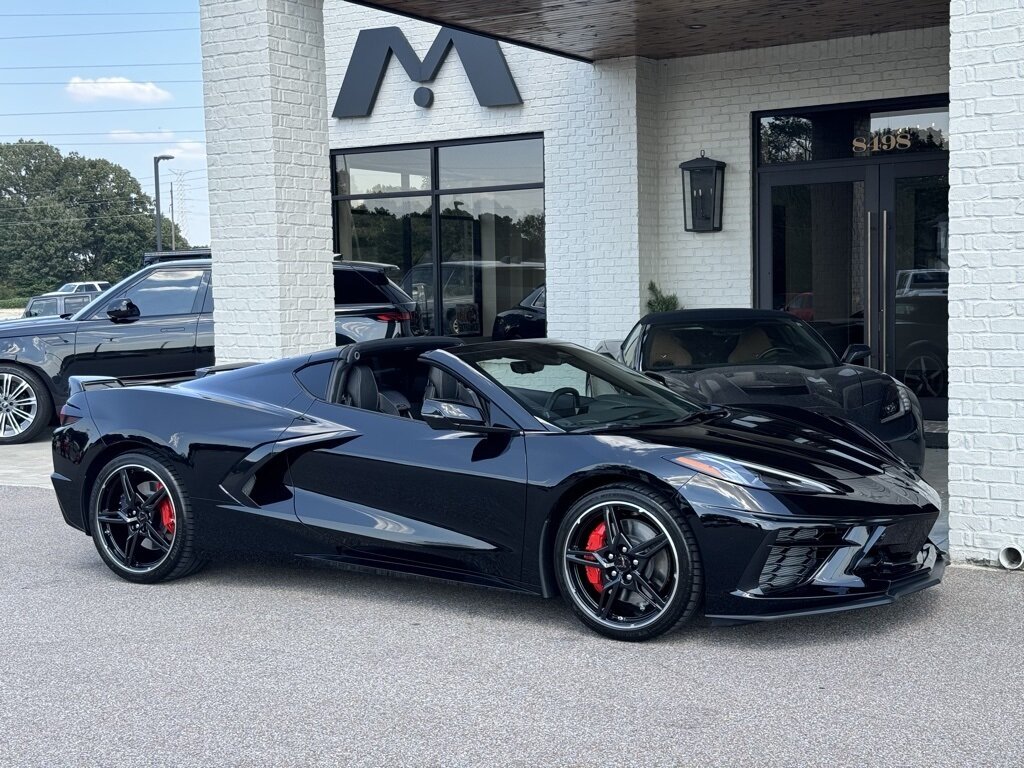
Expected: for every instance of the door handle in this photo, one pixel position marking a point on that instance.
(869, 304)
(172, 330)
(884, 329)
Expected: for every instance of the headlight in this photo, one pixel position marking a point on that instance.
(895, 402)
(747, 474)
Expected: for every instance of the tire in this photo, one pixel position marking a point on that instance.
(25, 405)
(158, 519)
(619, 598)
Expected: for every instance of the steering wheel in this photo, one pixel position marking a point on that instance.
(559, 393)
(770, 350)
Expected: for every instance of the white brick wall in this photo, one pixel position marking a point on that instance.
(986, 280)
(706, 103)
(270, 226)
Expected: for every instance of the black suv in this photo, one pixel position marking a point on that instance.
(155, 326)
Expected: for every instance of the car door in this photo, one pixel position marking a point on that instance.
(205, 353)
(405, 496)
(158, 344)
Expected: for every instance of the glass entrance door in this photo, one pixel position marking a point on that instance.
(914, 203)
(816, 250)
(861, 254)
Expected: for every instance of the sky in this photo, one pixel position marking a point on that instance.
(86, 58)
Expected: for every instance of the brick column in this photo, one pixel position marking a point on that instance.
(264, 84)
(986, 286)
(594, 275)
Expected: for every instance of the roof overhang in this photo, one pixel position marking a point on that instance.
(661, 29)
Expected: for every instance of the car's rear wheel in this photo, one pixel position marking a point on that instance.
(141, 519)
(25, 405)
(627, 562)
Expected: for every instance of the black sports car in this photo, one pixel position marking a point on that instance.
(530, 465)
(765, 358)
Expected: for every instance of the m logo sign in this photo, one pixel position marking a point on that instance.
(481, 57)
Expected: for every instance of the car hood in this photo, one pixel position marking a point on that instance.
(808, 444)
(32, 326)
(833, 391)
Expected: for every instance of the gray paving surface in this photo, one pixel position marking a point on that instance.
(29, 464)
(252, 662)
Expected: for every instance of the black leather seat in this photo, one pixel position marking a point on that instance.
(443, 386)
(361, 392)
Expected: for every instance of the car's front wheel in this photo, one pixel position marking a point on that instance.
(627, 562)
(141, 519)
(25, 405)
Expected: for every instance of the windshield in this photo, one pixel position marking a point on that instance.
(699, 344)
(574, 389)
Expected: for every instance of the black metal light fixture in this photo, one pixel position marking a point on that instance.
(703, 188)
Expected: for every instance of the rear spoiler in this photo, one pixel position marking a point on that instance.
(78, 384)
(202, 373)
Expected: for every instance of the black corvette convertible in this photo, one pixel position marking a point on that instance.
(530, 465)
(758, 358)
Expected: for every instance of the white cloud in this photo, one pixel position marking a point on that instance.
(119, 134)
(118, 88)
(187, 150)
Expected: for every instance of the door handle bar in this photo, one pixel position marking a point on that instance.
(883, 324)
(870, 299)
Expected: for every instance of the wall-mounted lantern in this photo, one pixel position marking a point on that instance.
(703, 187)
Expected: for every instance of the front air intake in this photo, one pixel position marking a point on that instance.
(792, 560)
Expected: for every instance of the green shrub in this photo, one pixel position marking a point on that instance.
(661, 302)
(13, 303)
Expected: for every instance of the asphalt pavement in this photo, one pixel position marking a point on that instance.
(274, 663)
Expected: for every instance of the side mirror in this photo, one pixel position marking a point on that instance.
(653, 376)
(440, 414)
(122, 310)
(855, 353)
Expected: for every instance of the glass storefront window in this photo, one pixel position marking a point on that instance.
(385, 230)
(376, 173)
(850, 132)
(493, 164)
(492, 254)
(485, 248)
(914, 130)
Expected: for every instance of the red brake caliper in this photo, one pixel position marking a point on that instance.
(166, 513)
(595, 541)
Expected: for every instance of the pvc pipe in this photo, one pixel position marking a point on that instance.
(1012, 558)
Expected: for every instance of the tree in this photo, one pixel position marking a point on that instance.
(785, 139)
(68, 217)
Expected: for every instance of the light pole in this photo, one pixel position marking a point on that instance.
(159, 215)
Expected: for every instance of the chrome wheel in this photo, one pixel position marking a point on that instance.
(18, 405)
(135, 518)
(620, 565)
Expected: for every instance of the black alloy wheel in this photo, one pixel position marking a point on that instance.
(141, 520)
(627, 562)
(925, 374)
(25, 405)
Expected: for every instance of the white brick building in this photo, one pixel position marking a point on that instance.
(810, 222)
